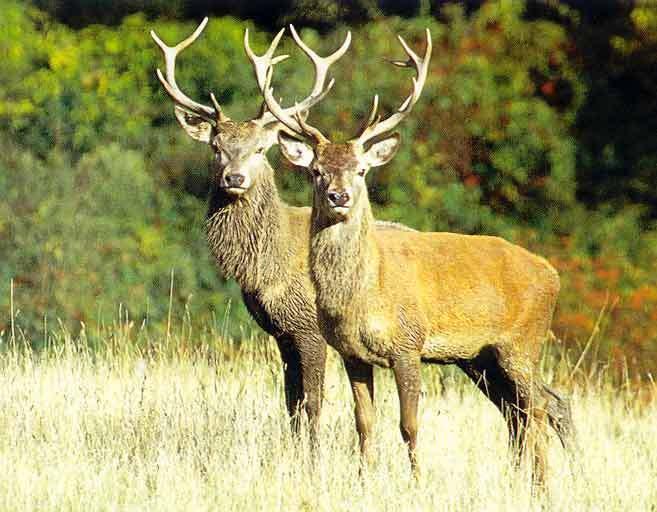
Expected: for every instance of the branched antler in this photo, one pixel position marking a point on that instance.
(261, 63)
(292, 116)
(374, 127)
(171, 87)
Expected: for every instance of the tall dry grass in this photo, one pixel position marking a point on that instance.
(119, 428)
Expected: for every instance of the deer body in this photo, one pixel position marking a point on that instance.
(440, 297)
(262, 242)
(396, 299)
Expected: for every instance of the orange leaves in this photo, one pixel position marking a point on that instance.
(574, 322)
(644, 298)
(624, 290)
(548, 88)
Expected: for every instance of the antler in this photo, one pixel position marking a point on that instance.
(291, 116)
(262, 62)
(171, 87)
(374, 127)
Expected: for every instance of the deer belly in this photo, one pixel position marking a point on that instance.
(449, 347)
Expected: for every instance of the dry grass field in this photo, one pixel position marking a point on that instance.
(116, 429)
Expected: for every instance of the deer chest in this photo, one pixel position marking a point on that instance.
(368, 339)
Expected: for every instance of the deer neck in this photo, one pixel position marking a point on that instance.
(344, 261)
(246, 233)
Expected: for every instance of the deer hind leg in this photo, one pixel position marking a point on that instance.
(531, 404)
(361, 378)
(512, 395)
(500, 390)
(407, 377)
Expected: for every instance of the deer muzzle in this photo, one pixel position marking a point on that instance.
(338, 199)
(234, 183)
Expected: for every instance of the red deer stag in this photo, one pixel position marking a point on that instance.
(397, 299)
(255, 237)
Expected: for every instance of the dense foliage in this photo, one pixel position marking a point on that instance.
(517, 134)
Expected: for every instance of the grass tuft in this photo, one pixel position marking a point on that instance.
(206, 429)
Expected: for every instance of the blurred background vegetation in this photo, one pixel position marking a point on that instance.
(538, 123)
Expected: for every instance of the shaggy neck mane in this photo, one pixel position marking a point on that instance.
(343, 260)
(246, 233)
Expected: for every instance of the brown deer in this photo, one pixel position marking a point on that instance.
(255, 237)
(397, 299)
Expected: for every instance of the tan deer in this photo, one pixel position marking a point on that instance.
(255, 237)
(397, 299)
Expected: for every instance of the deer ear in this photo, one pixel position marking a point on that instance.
(297, 152)
(195, 126)
(381, 152)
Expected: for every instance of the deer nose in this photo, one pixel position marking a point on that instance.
(338, 198)
(234, 180)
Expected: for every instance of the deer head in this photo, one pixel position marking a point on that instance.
(338, 169)
(240, 146)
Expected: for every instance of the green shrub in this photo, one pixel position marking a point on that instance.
(80, 239)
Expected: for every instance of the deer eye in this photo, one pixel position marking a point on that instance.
(260, 151)
(361, 172)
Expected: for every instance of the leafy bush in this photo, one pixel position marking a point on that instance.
(80, 239)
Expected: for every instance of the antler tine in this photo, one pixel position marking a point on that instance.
(375, 128)
(372, 118)
(321, 64)
(169, 83)
(310, 130)
(319, 91)
(292, 117)
(261, 65)
(262, 62)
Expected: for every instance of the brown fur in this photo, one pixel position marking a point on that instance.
(396, 299)
(256, 238)
(261, 243)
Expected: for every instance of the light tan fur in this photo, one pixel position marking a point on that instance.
(396, 299)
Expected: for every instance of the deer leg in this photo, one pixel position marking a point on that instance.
(542, 407)
(545, 408)
(529, 414)
(292, 380)
(486, 373)
(537, 440)
(407, 377)
(560, 418)
(517, 422)
(313, 366)
(361, 378)
(304, 366)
